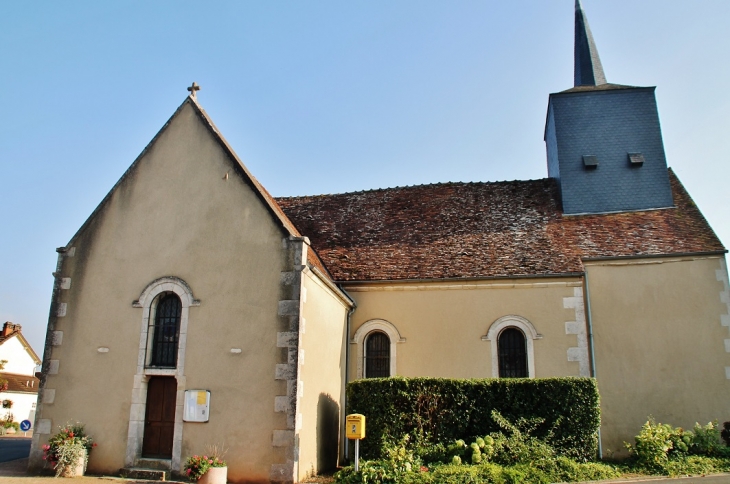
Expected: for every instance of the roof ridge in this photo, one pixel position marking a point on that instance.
(423, 185)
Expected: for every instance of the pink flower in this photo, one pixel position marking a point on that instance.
(210, 462)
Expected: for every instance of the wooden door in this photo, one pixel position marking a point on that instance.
(159, 422)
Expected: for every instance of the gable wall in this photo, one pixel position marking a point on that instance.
(175, 214)
(443, 324)
(661, 342)
(17, 357)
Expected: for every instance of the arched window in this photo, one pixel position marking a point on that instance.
(369, 337)
(164, 331)
(377, 355)
(512, 340)
(512, 348)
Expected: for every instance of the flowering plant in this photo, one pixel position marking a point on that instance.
(198, 465)
(66, 447)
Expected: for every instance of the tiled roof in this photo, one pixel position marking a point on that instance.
(20, 383)
(472, 230)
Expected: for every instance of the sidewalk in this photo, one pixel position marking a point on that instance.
(14, 472)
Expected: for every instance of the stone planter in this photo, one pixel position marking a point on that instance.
(215, 475)
(75, 470)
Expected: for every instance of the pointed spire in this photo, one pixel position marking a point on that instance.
(588, 70)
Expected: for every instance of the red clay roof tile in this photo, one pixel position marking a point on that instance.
(472, 230)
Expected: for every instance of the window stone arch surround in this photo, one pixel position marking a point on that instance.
(512, 321)
(147, 300)
(364, 330)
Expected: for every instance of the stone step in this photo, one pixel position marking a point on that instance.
(147, 463)
(144, 474)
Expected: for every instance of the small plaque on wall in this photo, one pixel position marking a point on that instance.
(197, 406)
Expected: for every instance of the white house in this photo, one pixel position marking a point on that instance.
(19, 395)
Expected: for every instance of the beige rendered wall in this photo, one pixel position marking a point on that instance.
(443, 323)
(660, 343)
(321, 376)
(176, 214)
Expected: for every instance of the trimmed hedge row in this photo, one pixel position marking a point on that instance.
(436, 410)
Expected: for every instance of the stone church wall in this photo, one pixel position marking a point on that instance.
(661, 343)
(183, 214)
(322, 364)
(444, 327)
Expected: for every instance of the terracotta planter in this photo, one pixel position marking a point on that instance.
(76, 470)
(215, 475)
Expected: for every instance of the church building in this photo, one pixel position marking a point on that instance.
(192, 308)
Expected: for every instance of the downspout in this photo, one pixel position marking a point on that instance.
(589, 323)
(347, 377)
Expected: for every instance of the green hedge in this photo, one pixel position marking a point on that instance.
(434, 410)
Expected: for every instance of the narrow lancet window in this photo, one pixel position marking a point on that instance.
(512, 354)
(377, 355)
(165, 332)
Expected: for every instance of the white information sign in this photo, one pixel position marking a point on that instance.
(197, 406)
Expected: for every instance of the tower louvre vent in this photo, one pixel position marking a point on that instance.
(590, 161)
(636, 159)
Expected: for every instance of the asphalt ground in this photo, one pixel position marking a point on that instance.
(12, 448)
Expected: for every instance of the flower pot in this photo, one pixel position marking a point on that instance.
(74, 470)
(215, 475)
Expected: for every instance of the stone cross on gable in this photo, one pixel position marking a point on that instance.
(193, 89)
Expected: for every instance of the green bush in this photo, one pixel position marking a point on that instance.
(399, 460)
(510, 457)
(434, 410)
(672, 450)
(706, 440)
(656, 442)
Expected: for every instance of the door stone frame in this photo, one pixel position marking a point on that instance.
(138, 407)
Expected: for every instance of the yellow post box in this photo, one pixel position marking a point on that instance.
(355, 424)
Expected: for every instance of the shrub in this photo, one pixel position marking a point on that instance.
(706, 440)
(8, 421)
(433, 410)
(656, 441)
(666, 449)
(510, 457)
(725, 434)
(398, 462)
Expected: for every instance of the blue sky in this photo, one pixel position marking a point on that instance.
(327, 97)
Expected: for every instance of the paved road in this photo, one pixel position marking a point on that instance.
(12, 448)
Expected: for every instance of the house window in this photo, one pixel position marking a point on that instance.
(377, 355)
(165, 331)
(512, 349)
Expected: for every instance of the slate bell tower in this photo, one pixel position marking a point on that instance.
(604, 143)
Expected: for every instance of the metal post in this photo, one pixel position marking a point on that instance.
(357, 455)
